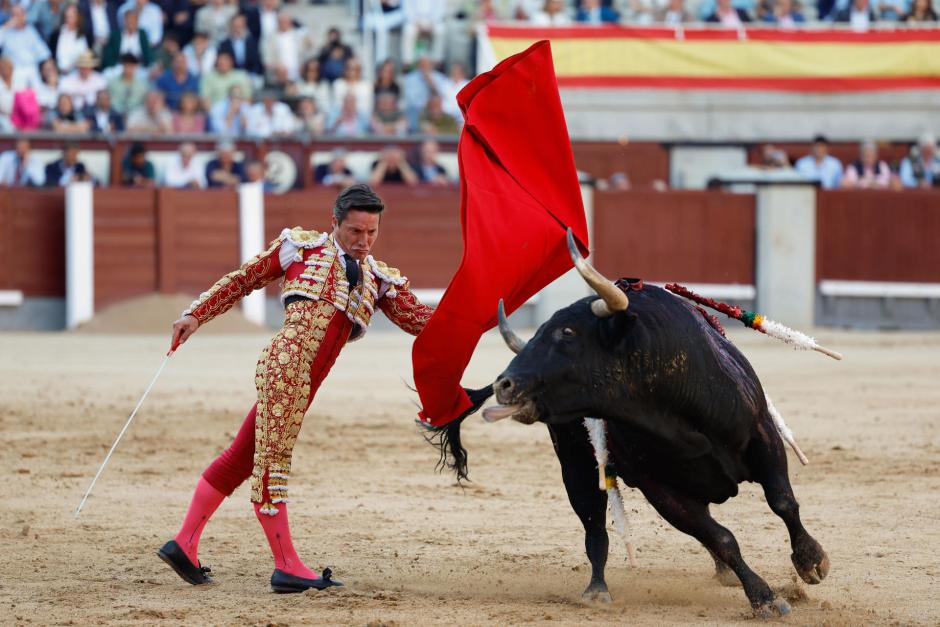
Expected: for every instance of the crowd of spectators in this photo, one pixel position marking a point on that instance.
(919, 169)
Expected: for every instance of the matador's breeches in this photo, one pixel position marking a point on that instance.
(289, 373)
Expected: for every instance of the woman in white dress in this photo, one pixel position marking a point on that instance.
(71, 40)
(353, 83)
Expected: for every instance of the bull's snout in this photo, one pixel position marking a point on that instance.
(504, 388)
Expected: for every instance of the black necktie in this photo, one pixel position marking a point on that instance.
(352, 271)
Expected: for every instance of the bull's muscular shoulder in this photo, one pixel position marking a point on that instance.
(387, 273)
(302, 238)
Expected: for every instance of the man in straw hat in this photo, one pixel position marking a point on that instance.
(84, 83)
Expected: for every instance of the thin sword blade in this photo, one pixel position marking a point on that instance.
(121, 434)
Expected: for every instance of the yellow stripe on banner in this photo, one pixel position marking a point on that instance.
(740, 59)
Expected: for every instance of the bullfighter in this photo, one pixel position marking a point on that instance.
(331, 287)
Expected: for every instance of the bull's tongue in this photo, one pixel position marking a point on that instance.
(498, 412)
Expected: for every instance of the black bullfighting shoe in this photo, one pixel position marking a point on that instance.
(196, 574)
(282, 582)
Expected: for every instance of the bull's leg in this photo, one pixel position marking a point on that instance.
(579, 472)
(692, 517)
(723, 573)
(768, 460)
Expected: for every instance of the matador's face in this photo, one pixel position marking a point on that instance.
(357, 233)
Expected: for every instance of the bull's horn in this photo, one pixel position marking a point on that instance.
(513, 341)
(613, 299)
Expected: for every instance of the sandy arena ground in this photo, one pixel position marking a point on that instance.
(412, 546)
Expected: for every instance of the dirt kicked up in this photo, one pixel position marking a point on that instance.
(414, 548)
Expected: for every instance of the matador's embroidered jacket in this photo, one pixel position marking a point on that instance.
(313, 267)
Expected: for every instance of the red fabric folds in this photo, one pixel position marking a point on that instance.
(519, 194)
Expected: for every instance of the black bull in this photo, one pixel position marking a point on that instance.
(687, 422)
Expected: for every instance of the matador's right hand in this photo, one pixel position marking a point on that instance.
(182, 329)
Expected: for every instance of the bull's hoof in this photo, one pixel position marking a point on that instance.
(596, 593)
(811, 562)
(772, 609)
(726, 577)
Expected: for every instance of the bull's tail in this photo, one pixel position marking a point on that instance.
(453, 456)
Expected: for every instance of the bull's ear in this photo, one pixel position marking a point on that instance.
(615, 330)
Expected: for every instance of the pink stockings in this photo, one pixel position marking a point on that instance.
(219, 480)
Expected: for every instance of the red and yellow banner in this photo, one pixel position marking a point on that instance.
(709, 58)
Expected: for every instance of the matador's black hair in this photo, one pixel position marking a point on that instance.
(359, 197)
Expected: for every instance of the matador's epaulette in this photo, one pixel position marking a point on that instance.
(304, 239)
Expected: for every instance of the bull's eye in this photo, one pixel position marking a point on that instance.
(568, 331)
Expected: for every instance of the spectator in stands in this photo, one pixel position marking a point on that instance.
(130, 39)
(103, 118)
(9, 85)
(223, 170)
(100, 17)
(177, 80)
(348, 121)
(270, 118)
(256, 172)
(921, 168)
(820, 166)
(181, 18)
(386, 80)
(153, 117)
(189, 119)
(773, 158)
(136, 169)
(335, 173)
(392, 167)
(456, 80)
(65, 118)
(128, 88)
(149, 18)
(383, 19)
(785, 14)
(45, 16)
(242, 46)
(726, 15)
(868, 172)
(418, 86)
(71, 39)
(423, 20)
(353, 83)
(164, 54)
(229, 116)
(310, 118)
(284, 49)
(388, 119)
(84, 83)
(183, 170)
(68, 168)
(214, 19)
(429, 170)
(892, 10)
(592, 12)
(333, 56)
(262, 19)
(47, 88)
(311, 85)
(523, 10)
(218, 83)
(20, 168)
(859, 16)
(26, 115)
(200, 56)
(553, 13)
(921, 12)
(21, 43)
(433, 120)
(673, 13)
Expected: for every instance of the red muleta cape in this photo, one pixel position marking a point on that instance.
(519, 193)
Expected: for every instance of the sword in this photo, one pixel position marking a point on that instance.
(126, 425)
